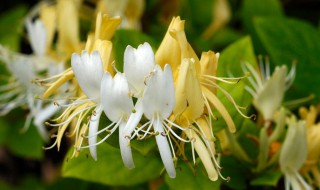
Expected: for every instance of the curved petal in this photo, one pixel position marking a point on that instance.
(134, 119)
(115, 97)
(125, 148)
(138, 63)
(164, 148)
(159, 93)
(37, 35)
(93, 128)
(269, 99)
(88, 70)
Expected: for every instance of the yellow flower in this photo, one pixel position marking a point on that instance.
(313, 139)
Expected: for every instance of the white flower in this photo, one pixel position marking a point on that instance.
(117, 105)
(37, 36)
(21, 91)
(158, 102)
(138, 64)
(88, 71)
(268, 92)
(293, 155)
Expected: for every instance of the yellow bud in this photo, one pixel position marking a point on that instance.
(209, 65)
(169, 50)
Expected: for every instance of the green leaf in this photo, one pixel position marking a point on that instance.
(109, 168)
(123, 38)
(144, 146)
(268, 178)
(186, 179)
(287, 40)
(237, 172)
(230, 62)
(28, 144)
(252, 9)
(11, 23)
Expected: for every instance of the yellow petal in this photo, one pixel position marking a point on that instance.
(185, 48)
(209, 65)
(189, 100)
(106, 26)
(169, 50)
(203, 154)
(48, 16)
(68, 27)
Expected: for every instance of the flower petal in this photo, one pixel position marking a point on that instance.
(269, 99)
(37, 35)
(88, 71)
(138, 63)
(125, 148)
(159, 93)
(164, 148)
(115, 97)
(93, 128)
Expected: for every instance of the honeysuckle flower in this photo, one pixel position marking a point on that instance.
(20, 90)
(37, 36)
(138, 64)
(88, 71)
(313, 138)
(158, 102)
(268, 91)
(293, 154)
(117, 105)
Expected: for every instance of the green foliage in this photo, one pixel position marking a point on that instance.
(27, 144)
(10, 23)
(109, 168)
(288, 40)
(251, 9)
(187, 180)
(267, 178)
(230, 62)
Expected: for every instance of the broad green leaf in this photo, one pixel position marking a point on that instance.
(187, 180)
(122, 39)
(26, 144)
(268, 178)
(252, 9)
(109, 168)
(144, 146)
(287, 40)
(230, 63)
(237, 172)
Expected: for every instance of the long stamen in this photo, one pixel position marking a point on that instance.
(71, 117)
(105, 138)
(102, 130)
(174, 134)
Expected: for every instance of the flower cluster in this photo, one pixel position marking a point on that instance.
(169, 95)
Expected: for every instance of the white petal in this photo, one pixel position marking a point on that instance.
(159, 93)
(138, 63)
(125, 148)
(88, 70)
(295, 142)
(164, 149)
(269, 99)
(115, 97)
(134, 119)
(37, 35)
(93, 128)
